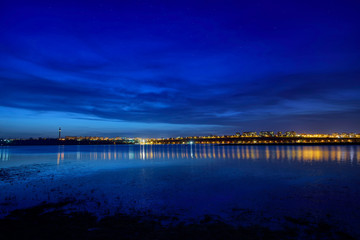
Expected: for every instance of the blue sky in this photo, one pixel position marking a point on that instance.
(169, 68)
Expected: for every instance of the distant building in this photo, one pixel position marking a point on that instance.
(344, 135)
(335, 134)
(71, 138)
(266, 134)
(249, 134)
(290, 134)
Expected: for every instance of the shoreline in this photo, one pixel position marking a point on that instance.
(171, 144)
(50, 220)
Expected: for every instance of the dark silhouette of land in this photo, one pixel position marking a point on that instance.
(48, 221)
(55, 141)
(222, 140)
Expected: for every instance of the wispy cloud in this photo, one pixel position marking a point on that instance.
(226, 65)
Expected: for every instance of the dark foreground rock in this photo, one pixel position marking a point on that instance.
(50, 221)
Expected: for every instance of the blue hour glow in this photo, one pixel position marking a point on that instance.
(165, 68)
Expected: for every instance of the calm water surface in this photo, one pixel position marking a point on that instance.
(241, 184)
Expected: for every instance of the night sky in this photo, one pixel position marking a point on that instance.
(170, 68)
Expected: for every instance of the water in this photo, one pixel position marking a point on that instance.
(239, 184)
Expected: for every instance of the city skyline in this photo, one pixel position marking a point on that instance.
(239, 138)
(179, 68)
(251, 134)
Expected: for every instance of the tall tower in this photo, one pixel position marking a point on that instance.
(59, 132)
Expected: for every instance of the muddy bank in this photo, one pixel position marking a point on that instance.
(52, 221)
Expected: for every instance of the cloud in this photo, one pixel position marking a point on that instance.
(183, 101)
(227, 65)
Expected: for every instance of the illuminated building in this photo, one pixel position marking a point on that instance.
(249, 134)
(290, 134)
(266, 134)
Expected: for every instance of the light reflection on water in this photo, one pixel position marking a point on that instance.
(293, 153)
(4, 154)
(339, 154)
